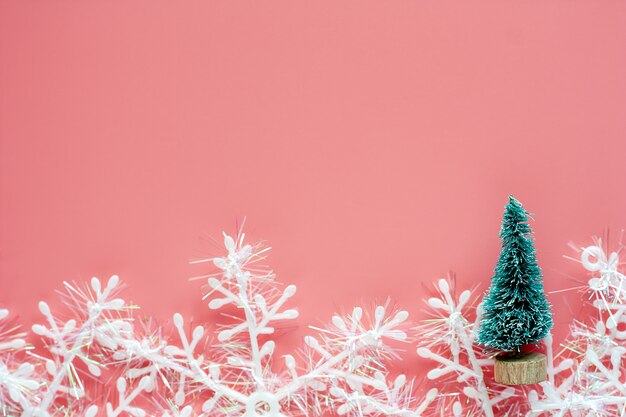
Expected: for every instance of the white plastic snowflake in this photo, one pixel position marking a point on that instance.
(342, 368)
(57, 389)
(17, 382)
(589, 379)
(448, 339)
(73, 343)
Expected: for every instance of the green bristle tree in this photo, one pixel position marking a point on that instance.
(515, 311)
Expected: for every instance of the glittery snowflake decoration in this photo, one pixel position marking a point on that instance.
(588, 378)
(17, 380)
(342, 368)
(42, 386)
(449, 340)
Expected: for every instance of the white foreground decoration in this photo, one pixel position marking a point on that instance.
(17, 381)
(589, 379)
(448, 339)
(102, 361)
(342, 369)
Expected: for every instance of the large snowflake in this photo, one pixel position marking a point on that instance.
(342, 367)
(588, 378)
(448, 339)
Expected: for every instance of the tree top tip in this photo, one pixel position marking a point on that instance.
(514, 201)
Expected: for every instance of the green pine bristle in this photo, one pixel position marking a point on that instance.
(515, 310)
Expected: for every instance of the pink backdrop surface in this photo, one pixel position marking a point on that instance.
(372, 144)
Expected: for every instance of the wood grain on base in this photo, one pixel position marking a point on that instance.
(530, 368)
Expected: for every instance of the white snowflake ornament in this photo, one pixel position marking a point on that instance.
(449, 340)
(589, 379)
(333, 359)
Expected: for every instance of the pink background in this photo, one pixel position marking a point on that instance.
(372, 144)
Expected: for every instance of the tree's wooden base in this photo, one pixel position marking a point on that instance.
(529, 368)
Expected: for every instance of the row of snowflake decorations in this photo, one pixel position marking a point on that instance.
(342, 370)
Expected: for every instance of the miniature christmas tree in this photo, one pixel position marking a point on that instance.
(515, 311)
